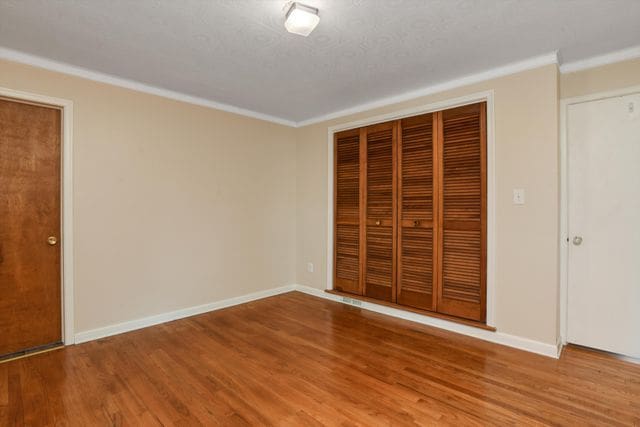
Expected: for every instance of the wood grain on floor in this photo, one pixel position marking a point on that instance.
(294, 359)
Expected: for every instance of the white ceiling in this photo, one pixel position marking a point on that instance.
(237, 52)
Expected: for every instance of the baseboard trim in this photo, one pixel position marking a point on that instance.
(514, 341)
(144, 322)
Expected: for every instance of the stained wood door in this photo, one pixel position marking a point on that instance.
(462, 217)
(347, 184)
(417, 265)
(420, 211)
(604, 232)
(380, 211)
(30, 306)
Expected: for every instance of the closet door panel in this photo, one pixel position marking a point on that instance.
(380, 233)
(410, 212)
(462, 287)
(347, 250)
(416, 188)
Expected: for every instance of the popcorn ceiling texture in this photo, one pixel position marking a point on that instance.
(237, 52)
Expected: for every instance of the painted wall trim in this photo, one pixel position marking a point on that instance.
(61, 67)
(487, 96)
(525, 344)
(564, 196)
(66, 196)
(597, 61)
(549, 350)
(505, 70)
(156, 319)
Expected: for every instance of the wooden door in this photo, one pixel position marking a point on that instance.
(380, 211)
(30, 275)
(347, 182)
(462, 217)
(417, 265)
(411, 211)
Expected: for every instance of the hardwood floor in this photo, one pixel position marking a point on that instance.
(294, 360)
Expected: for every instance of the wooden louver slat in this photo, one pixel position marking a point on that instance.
(379, 272)
(416, 212)
(347, 211)
(463, 194)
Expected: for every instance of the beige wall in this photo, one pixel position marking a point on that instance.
(526, 142)
(600, 79)
(178, 205)
(175, 205)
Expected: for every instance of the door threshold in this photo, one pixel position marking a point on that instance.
(31, 352)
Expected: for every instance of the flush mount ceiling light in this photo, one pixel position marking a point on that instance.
(301, 19)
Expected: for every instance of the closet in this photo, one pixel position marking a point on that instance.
(410, 212)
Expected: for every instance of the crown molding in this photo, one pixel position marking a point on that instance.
(505, 70)
(596, 61)
(512, 68)
(61, 67)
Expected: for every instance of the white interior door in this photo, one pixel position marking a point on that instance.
(604, 224)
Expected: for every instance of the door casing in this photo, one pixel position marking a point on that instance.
(66, 197)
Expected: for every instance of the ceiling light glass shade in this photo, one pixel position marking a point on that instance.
(301, 19)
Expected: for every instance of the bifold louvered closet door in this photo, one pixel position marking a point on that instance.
(410, 212)
(348, 195)
(416, 214)
(379, 224)
(462, 240)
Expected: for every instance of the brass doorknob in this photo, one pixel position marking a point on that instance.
(416, 222)
(378, 222)
(52, 240)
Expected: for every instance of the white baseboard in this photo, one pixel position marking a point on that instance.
(526, 344)
(132, 325)
(521, 343)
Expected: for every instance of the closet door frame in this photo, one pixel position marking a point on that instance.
(486, 96)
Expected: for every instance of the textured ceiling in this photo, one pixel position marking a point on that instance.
(237, 52)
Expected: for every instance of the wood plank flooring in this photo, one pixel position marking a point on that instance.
(294, 360)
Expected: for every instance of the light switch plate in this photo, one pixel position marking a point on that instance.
(518, 196)
(310, 267)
